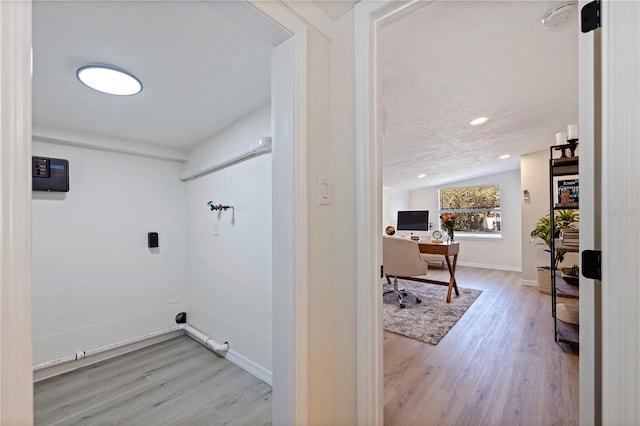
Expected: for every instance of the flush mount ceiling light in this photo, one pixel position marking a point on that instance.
(109, 79)
(504, 157)
(479, 120)
(559, 14)
(422, 176)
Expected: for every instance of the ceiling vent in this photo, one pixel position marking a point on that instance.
(559, 14)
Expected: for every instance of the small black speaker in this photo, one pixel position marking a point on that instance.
(152, 239)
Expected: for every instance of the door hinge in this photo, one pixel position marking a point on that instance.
(381, 271)
(590, 15)
(592, 264)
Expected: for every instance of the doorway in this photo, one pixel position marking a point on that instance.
(372, 128)
(16, 157)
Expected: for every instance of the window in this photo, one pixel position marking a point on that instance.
(477, 207)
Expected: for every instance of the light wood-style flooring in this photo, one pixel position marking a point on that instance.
(176, 382)
(499, 365)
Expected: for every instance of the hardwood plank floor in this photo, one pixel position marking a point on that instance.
(176, 382)
(499, 365)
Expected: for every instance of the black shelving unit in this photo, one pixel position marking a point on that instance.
(562, 165)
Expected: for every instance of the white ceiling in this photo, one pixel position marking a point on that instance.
(203, 66)
(206, 64)
(450, 62)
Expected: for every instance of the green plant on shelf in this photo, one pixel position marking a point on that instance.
(563, 219)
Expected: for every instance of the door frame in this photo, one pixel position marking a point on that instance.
(16, 377)
(620, 212)
(588, 80)
(368, 17)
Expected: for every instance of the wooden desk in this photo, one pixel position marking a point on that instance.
(447, 250)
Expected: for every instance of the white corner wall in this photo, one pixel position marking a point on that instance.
(503, 253)
(229, 253)
(387, 195)
(95, 281)
(534, 177)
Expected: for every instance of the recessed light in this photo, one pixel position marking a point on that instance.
(109, 79)
(422, 176)
(479, 120)
(504, 157)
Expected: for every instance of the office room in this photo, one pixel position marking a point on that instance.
(466, 126)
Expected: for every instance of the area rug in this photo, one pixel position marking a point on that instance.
(430, 320)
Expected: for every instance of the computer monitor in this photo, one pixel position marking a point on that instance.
(414, 223)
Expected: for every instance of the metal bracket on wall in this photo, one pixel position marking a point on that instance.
(219, 207)
(590, 16)
(592, 264)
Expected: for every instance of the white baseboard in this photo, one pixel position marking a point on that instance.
(56, 370)
(250, 367)
(529, 283)
(243, 362)
(498, 267)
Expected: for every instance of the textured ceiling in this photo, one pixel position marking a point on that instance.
(450, 62)
(203, 66)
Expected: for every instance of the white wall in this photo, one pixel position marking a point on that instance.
(229, 274)
(95, 281)
(387, 195)
(503, 253)
(534, 177)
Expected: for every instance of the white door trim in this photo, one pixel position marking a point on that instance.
(620, 212)
(290, 406)
(588, 60)
(16, 377)
(368, 16)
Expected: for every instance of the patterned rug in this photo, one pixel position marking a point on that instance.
(430, 320)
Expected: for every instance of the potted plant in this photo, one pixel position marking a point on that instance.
(563, 219)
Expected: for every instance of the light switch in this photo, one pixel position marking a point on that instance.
(324, 191)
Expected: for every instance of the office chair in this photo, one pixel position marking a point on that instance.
(401, 259)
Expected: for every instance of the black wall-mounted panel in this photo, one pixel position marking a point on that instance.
(152, 239)
(50, 174)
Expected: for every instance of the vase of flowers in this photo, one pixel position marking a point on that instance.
(449, 223)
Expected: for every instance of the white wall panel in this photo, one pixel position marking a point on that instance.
(534, 177)
(95, 281)
(229, 252)
(389, 195)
